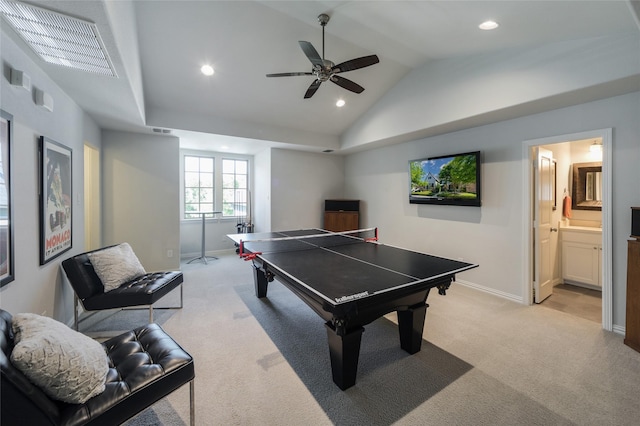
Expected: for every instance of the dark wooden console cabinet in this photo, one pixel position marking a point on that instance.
(632, 328)
(341, 215)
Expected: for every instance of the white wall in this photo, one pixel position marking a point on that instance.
(300, 182)
(508, 84)
(38, 288)
(262, 191)
(141, 196)
(492, 235)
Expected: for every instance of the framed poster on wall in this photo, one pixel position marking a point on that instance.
(55, 199)
(6, 196)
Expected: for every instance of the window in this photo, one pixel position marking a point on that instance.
(212, 183)
(234, 187)
(199, 193)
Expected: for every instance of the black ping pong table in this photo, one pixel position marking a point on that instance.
(350, 281)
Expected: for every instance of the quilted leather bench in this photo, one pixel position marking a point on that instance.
(145, 365)
(143, 290)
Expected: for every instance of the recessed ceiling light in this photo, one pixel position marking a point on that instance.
(207, 70)
(340, 103)
(489, 25)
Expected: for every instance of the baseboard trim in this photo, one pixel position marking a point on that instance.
(492, 291)
(209, 253)
(618, 329)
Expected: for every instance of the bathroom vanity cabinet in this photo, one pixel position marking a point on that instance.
(582, 256)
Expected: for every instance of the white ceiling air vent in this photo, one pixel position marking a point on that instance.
(59, 39)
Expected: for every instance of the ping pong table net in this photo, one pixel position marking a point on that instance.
(248, 250)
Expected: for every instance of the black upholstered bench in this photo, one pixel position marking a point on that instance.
(143, 290)
(145, 365)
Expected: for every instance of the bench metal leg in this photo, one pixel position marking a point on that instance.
(192, 406)
(76, 306)
(181, 304)
(76, 316)
(75, 312)
(169, 307)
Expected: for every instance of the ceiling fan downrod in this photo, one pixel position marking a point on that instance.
(323, 18)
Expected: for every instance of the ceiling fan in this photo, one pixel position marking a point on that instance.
(323, 69)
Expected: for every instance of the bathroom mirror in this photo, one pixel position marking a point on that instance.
(587, 186)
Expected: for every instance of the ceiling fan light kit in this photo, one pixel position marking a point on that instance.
(325, 70)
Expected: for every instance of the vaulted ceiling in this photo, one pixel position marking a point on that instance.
(158, 47)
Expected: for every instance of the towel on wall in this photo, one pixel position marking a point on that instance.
(566, 207)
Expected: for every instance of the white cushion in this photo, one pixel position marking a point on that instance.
(65, 364)
(116, 265)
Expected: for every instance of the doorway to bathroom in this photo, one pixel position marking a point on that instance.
(567, 247)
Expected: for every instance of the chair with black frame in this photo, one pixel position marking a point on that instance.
(113, 278)
(53, 375)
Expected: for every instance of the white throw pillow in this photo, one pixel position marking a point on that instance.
(65, 364)
(116, 265)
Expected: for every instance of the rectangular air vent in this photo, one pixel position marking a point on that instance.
(59, 39)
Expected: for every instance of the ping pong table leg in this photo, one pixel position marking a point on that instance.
(410, 326)
(260, 282)
(344, 351)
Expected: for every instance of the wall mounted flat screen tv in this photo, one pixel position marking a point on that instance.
(451, 180)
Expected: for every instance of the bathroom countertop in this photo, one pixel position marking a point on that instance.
(575, 228)
(581, 226)
(589, 229)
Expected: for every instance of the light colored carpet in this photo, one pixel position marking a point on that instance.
(484, 361)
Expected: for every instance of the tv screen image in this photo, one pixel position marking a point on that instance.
(447, 180)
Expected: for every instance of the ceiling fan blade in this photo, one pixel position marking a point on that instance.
(288, 74)
(355, 64)
(311, 53)
(347, 84)
(312, 89)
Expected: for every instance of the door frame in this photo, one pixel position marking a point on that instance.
(527, 208)
(92, 198)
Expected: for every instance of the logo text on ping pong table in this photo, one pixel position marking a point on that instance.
(352, 297)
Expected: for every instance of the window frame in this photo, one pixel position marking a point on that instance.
(218, 157)
(247, 201)
(184, 186)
